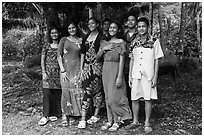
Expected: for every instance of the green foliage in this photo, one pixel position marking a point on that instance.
(10, 42)
(21, 43)
(32, 61)
(9, 69)
(30, 45)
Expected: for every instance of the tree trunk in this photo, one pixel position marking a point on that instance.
(151, 20)
(160, 26)
(181, 33)
(198, 29)
(90, 12)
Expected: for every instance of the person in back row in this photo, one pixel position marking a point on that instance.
(105, 27)
(130, 36)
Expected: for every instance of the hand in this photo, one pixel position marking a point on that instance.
(45, 77)
(118, 82)
(79, 41)
(64, 77)
(130, 82)
(81, 74)
(154, 82)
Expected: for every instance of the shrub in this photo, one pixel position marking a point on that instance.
(30, 45)
(32, 61)
(187, 65)
(9, 69)
(34, 73)
(21, 43)
(10, 42)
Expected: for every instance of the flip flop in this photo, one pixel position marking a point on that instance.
(43, 121)
(93, 120)
(106, 126)
(53, 118)
(133, 125)
(114, 127)
(148, 129)
(64, 123)
(82, 124)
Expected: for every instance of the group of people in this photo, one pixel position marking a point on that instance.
(105, 67)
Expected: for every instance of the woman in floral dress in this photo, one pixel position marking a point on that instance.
(91, 73)
(51, 79)
(69, 62)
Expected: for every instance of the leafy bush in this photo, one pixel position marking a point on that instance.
(9, 69)
(188, 65)
(10, 42)
(21, 43)
(32, 61)
(34, 73)
(30, 45)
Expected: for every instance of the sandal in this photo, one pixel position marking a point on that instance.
(133, 125)
(43, 121)
(148, 129)
(106, 126)
(53, 118)
(82, 124)
(92, 120)
(114, 127)
(64, 121)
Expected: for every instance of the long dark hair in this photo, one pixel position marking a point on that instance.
(75, 24)
(120, 34)
(97, 22)
(49, 39)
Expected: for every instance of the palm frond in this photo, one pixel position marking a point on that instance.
(22, 23)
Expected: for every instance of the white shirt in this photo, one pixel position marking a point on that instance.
(144, 60)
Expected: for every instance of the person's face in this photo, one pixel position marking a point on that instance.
(113, 29)
(131, 22)
(92, 25)
(54, 34)
(72, 29)
(142, 28)
(106, 25)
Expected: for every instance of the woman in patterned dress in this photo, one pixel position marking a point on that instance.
(91, 73)
(69, 62)
(113, 53)
(51, 79)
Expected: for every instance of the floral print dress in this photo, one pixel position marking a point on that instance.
(92, 75)
(52, 68)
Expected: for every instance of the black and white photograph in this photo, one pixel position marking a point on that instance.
(101, 68)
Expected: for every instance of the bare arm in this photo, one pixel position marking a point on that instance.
(43, 60)
(130, 67)
(99, 54)
(120, 72)
(121, 66)
(59, 59)
(156, 68)
(60, 55)
(130, 72)
(82, 62)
